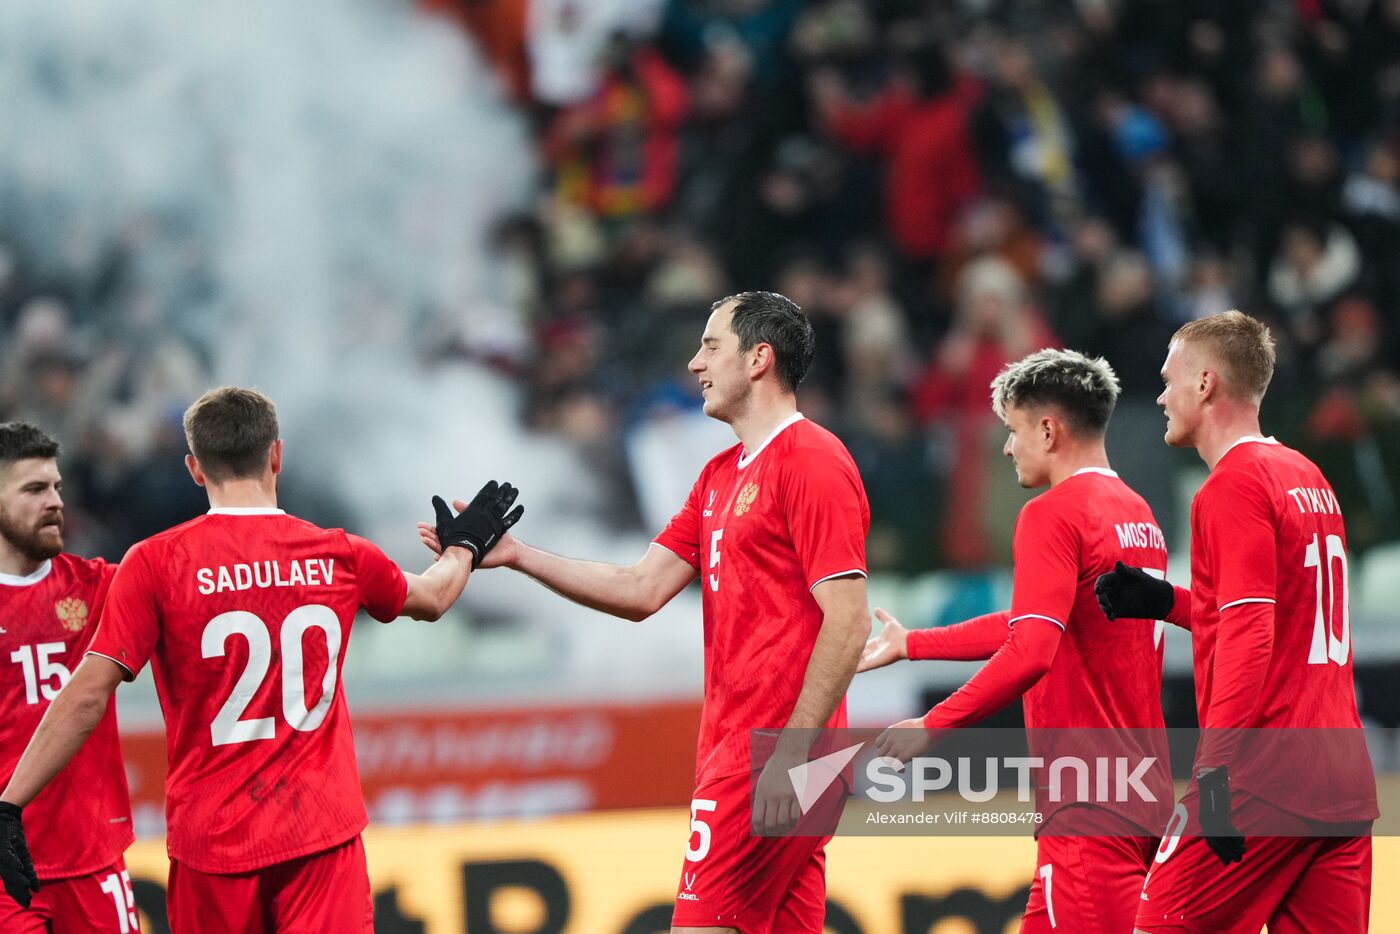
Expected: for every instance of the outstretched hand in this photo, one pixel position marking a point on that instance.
(478, 526)
(889, 645)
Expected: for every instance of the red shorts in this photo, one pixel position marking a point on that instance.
(1294, 884)
(100, 903)
(1088, 884)
(757, 885)
(324, 893)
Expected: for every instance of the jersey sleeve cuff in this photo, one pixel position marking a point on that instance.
(1243, 600)
(129, 676)
(694, 564)
(1049, 619)
(853, 572)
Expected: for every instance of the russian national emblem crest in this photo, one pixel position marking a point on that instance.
(745, 499)
(72, 612)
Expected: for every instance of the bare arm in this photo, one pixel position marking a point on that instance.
(72, 716)
(437, 588)
(845, 624)
(632, 592)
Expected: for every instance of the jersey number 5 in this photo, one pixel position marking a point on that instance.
(1326, 644)
(227, 728)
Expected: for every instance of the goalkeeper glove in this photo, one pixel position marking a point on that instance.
(480, 526)
(16, 868)
(1213, 810)
(1132, 593)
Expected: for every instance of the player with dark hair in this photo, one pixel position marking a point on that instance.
(1272, 648)
(775, 528)
(1054, 647)
(50, 604)
(244, 614)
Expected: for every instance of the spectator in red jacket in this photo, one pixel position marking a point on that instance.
(919, 125)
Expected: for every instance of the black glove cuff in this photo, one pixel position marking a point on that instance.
(10, 811)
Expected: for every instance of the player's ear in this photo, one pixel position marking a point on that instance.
(274, 456)
(761, 360)
(196, 474)
(1208, 384)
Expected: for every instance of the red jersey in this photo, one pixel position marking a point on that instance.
(244, 614)
(81, 821)
(763, 529)
(1105, 674)
(1267, 532)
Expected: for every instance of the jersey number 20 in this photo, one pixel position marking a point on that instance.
(227, 728)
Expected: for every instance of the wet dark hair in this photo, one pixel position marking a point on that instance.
(775, 320)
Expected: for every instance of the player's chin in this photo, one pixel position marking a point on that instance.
(47, 543)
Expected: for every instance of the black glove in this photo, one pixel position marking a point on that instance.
(1132, 593)
(16, 868)
(481, 525)
(1213, 810)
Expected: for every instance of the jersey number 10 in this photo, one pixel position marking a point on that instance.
(1326, 644)
(227, 727)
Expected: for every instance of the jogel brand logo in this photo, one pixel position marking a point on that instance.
(72, 613)
(746, 497)
(710, 506)
(688, 895)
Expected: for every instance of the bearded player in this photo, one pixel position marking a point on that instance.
(1074, 668)
(243, 614)
(775, 528)
(50, 603)
(1271, 642)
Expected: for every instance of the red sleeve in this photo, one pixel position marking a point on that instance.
(971, 641)
(1238, 531)
(105, 573)
(383, 588)
(1180, 614)
(1244, 641)
(682, 534)
(827, 516)
(1045, 553)
(130, 619)
(1021, 661)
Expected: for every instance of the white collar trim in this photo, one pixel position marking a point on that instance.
(747, 459)
(1101, 470)
(1251, 439)
(246, 511)
(28, 580)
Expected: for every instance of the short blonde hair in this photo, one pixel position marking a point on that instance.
(1084, 389)
(1242, 346)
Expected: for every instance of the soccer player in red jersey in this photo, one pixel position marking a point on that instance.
(1074, 668)
(775, 528)
(244, 614)
(50, 603)
(1271, 641)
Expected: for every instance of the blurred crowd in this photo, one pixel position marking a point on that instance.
(943, 186)
(947, 186)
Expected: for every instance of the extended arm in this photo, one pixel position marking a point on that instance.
(72, 716)
(632, 592)
(975, 640)
(1021, 661)
(432, 592)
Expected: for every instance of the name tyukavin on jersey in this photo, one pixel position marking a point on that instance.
(1313, 499)
(311, 572)
(1139, 535)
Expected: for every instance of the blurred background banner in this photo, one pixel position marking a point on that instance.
(443, 766)
(619, 874)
